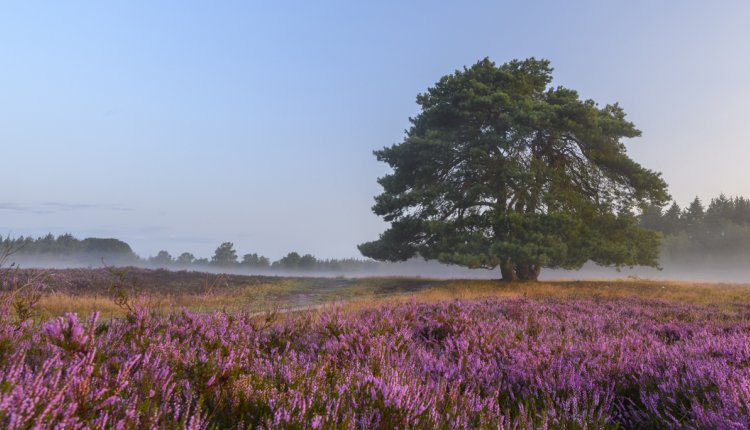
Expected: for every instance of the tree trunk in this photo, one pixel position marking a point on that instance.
(528, 272)
(534, 272)
(508, 271)
(520, 272)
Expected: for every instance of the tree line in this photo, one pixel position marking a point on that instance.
(66, 245)
(67, 248)
(226, 256)
(720, 228)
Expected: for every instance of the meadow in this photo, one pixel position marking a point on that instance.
(134, 348)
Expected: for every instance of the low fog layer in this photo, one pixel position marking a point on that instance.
(412, 268)
(720, 272)
(709, 268)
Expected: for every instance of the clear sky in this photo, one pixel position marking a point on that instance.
(180, 125)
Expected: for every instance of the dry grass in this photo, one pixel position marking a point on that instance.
(58, 304)
(365, 293)
(252, 298)
(721, 295)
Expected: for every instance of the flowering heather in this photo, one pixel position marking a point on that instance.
(490, 363)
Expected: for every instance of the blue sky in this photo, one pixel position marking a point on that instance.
(180, 125)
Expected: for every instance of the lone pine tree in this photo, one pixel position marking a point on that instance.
(500, 169)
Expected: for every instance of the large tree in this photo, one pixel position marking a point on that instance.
(501, 169)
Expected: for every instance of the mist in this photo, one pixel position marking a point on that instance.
(725, 272)
(699, 268)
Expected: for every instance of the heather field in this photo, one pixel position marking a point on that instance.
(395, 354)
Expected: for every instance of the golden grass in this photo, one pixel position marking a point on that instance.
(722, 295)
(367, 293)
(251, 298)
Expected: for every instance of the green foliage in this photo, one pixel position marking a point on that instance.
(501, 169)
(225, 255)
(256, 261)
(67, 245)
(185, 259)
(163, 258)
(290, 261)
(293, 261)
(105, 246)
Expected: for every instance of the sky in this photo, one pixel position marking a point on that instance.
(181, 125)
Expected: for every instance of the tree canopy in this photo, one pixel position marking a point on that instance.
(163, 258)
(501, 169)
(225, 255)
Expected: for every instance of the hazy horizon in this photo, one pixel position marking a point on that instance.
(728, 271)
(181, 126)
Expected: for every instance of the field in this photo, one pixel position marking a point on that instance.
(147, 349)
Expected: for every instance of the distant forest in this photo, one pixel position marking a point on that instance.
(66, 249)
(698, 233)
